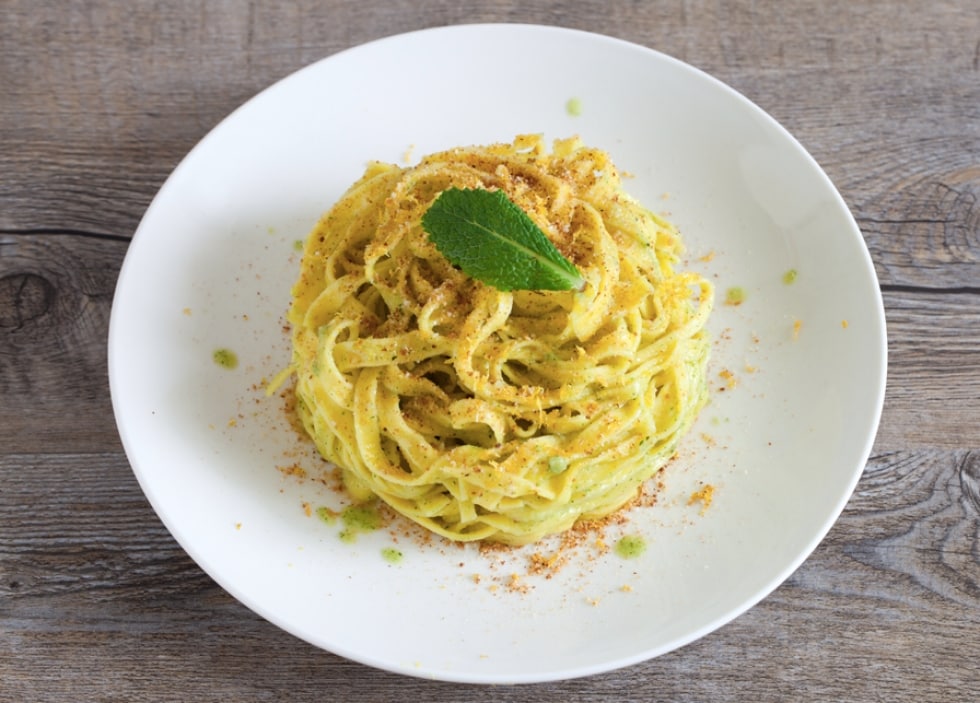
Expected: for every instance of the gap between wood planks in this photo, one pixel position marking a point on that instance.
(27, 232)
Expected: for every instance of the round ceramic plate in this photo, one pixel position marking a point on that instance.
(797, 370)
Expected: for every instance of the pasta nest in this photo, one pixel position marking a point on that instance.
(490, 415)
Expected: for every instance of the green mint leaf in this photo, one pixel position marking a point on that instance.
(492, 240)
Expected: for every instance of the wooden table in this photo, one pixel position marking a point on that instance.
(100, 100)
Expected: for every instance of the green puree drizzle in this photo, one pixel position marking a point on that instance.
(225, 358)
(631, 546)
(359, 518)
(735, 296)
(391, 555)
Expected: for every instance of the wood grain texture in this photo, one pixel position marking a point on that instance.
(102, 99)
(55, 297)
(932, 397)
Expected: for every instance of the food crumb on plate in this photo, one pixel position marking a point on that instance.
(704, 495)
(729, 379)
(294, 470)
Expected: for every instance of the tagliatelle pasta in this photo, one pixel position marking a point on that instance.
(490, 415)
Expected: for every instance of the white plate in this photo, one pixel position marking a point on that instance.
(212, 262)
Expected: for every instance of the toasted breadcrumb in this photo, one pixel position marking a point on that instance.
(704, 496)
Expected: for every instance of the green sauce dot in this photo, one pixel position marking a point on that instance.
(391, 555)
(359, 518)
(631, 546)
(735, 296)
(573, 107)
(225, 358)
(298, 245)
(789, 276)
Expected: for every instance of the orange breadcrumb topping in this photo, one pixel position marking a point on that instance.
(728, 377)
(294, 470)
(703, 495)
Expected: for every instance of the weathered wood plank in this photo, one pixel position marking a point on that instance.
(921, 220)
(55, 300)
(932, 398)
